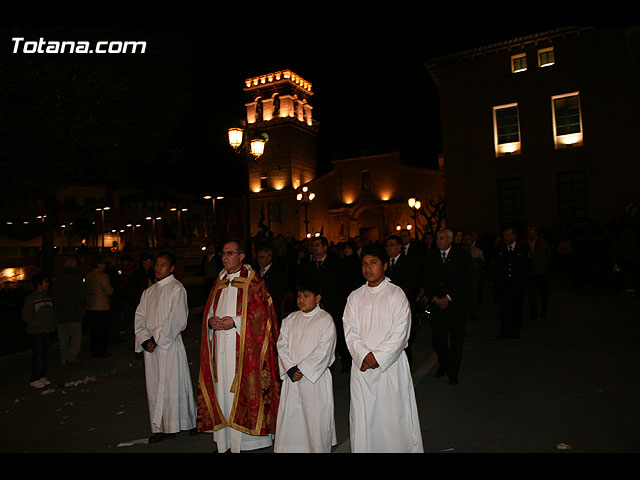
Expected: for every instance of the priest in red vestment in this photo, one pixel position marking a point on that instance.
(239, 384)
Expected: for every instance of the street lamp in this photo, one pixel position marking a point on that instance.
(305, 197)
(213, 210)
(415, 205)
(101, 210)
(179, 210)
(240, 143)
(154, 237)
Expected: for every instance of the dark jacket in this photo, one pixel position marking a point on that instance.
(69, 294)
(37, 313)
(512, 268)
(275, 279)
(449, 278)
(406, 274)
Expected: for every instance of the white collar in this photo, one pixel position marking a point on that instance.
(312, 312)
(165, 280)
(378, 287)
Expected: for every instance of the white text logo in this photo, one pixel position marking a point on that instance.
(67, 46)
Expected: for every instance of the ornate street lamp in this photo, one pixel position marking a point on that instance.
(415, 205)
(240, 143)
(305, 197)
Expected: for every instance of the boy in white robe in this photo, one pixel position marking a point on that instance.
(306, 350)
(160, 317)
(383, 413)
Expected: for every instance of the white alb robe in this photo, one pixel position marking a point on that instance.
(383, 413)
(162, 314)
(305, 422)
(229, 438)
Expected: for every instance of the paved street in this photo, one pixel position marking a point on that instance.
(569, 385)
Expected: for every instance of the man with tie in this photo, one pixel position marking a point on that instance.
(274, 276)
(404, 272)
(447, 288)
(513, 262)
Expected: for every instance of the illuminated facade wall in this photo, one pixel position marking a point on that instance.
(562, 152)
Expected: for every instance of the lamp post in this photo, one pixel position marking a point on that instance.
(101, 210)
(305, 197)
(179, 210)
(213, 210)
(415, 205)
(154, 237)
(241, 144)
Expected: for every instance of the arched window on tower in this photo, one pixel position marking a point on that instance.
(259, 109)
(365, 180)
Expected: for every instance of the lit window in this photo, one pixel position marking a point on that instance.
(546, 57)
(567, 120)
(519, 63)
(506, 129)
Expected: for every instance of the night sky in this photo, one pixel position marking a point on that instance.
(372, 93)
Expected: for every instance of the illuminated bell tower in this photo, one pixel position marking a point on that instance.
(278, 105)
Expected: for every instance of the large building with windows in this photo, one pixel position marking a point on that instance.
(542, 129)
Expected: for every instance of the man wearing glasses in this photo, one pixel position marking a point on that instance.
(239, 384)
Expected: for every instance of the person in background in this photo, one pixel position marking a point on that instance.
(38, 314)
(99, 290)
(69, 294)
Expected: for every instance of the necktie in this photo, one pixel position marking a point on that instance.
(510, 248)
(393, 261)
(444, 257)
(319, 264)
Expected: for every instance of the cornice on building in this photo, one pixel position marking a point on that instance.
(433, 64)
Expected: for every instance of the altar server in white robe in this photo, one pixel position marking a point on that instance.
(383, 413)
(306, 350)
(160, 317)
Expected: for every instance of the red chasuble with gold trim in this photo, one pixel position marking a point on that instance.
(256, 385)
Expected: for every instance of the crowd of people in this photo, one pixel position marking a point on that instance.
(273, 328)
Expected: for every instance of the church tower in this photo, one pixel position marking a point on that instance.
(278, 106)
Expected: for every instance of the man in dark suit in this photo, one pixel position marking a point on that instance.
(413, 249)
(405, 273)
(513, 261)
(274, 276)
(447, 288)
(326, 269)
